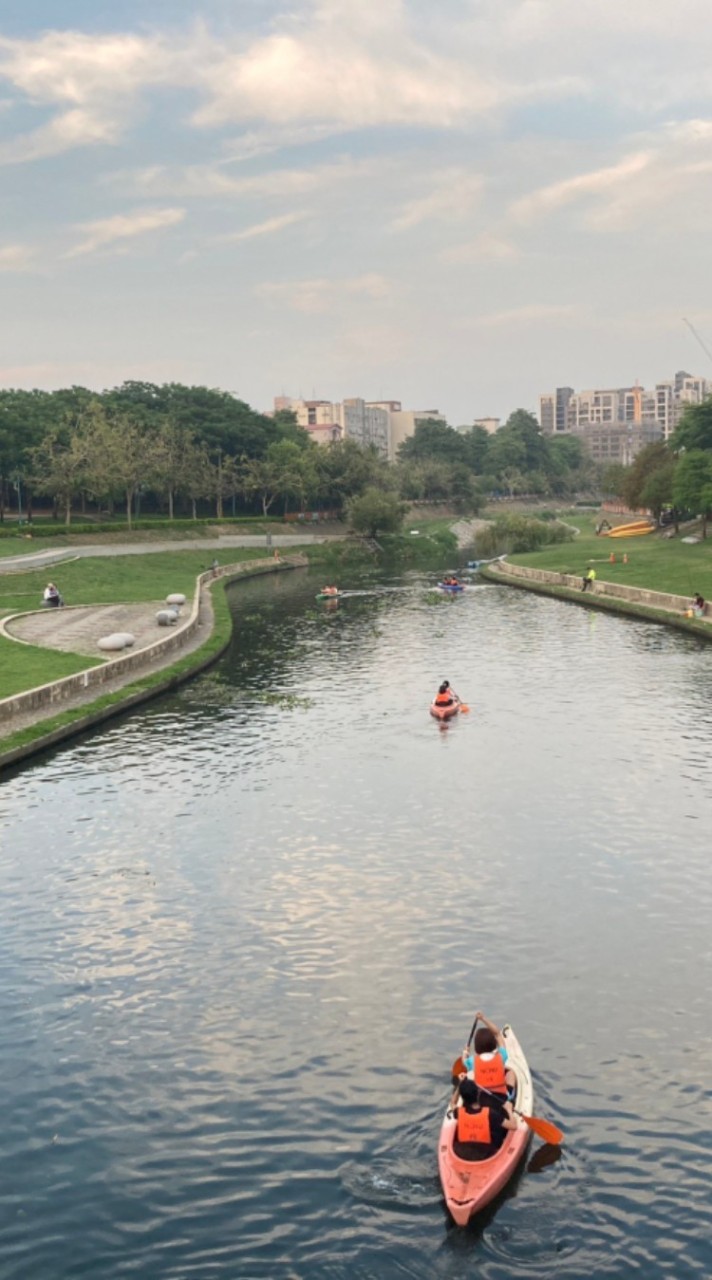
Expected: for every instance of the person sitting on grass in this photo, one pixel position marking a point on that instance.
(51, 598)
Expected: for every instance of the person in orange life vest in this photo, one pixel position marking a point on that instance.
(489, 1063)
(480, 1129)
(444, 696)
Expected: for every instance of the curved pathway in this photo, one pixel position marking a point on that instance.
(39, 559)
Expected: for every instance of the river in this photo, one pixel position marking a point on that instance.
(244, 933)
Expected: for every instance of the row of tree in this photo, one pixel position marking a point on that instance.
(674, 475)
(181, 449)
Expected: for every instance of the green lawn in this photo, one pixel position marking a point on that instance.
(100, 580)
(657, 563)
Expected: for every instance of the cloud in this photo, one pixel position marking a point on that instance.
(267, 228)
(124, 226)
(323, 294)
(485, 247)
(598, 181)
(453, 194)
(93, 82)
(209, 181)
(16, 257)
(531, 314)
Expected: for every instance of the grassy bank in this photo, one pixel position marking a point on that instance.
(80, 717)
(656, 563)
(89, 581)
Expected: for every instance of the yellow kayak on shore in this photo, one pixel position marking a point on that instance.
(634, 530)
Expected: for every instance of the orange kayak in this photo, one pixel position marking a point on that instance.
(444, 713)
(470, 1185)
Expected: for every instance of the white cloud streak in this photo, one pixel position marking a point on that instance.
(269, 227)
(123, 226)
(312, 297)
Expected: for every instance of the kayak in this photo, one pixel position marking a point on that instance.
(329, 595)
(470, 1185)
(451, 586)
(634, 530)
(445, 713)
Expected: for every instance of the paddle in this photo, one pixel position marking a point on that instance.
(544, 1129)
(465, 709)
(458, 1065)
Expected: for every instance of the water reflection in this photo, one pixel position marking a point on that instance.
(244, 933)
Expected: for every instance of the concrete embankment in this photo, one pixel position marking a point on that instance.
(657, 606)
(124, 677)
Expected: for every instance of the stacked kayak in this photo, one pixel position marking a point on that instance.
(469, 1185)
(445, 713)
(634, 530)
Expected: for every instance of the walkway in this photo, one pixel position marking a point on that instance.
(40, 559)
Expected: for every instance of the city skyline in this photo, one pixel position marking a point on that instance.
(346, 198)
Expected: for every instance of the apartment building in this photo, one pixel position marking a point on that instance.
(382, 423)
(615, 423)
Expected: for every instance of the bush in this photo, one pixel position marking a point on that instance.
(511, 534)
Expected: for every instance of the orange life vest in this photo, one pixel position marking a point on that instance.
(444, 699)
(474, 1128)
(489, 1074)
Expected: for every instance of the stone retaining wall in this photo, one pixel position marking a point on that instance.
(58, 691)
(617, 590)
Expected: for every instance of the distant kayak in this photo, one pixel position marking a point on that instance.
(451, 586)
(469, 1185)
(445, 713)
(330, 595)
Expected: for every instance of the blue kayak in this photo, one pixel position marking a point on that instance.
(451, 586)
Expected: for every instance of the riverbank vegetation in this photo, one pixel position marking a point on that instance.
(188, 453)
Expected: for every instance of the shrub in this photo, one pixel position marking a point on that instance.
(511, 534)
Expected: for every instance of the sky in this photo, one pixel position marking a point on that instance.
(458, 205)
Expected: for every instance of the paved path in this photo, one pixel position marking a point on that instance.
(39, 559)
(77, 630)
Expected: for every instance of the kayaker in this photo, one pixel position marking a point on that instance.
(480, 1129)
(330, 591)
(488, 1063)
(444, 696)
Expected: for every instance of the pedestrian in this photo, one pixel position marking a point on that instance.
(588, 578)
(51, 599)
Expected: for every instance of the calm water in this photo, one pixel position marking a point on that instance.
(244, 933)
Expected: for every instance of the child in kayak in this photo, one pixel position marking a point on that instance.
(488, 1063)
(480, 1129)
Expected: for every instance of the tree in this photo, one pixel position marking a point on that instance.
(121, 456)
(695, 427)
(433, 439)
(60, 469)
(345, 469)
(376, 511)
(175, 454)
(692, 484)
(658, 488)
(650, 459)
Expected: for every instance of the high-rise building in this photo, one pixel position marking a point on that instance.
(596, 415)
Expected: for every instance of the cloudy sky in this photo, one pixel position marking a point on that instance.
(458, 204)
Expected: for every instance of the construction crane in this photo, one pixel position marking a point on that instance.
(696, 335)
